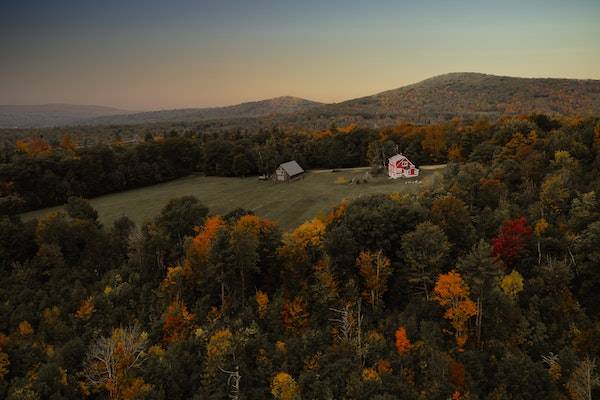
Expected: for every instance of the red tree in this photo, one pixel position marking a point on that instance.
(512, 240)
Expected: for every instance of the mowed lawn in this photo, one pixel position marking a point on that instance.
(289, 204)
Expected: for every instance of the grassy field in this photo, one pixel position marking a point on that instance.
(288, 203)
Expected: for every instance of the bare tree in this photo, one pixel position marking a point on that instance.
(110, 359)
(344, 323)
(583, 380)
(350, 326)
(233, 382)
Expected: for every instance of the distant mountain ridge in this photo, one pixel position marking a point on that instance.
(45, 115)
(262, 108)
(466, 95)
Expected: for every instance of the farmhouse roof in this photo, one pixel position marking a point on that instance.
(292, 168)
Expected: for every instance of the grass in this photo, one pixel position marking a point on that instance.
(288, 203)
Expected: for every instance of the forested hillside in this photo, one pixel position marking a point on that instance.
(486, 288)
(472, 96)
(467, 96)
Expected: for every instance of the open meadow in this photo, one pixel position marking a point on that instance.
(289, 204)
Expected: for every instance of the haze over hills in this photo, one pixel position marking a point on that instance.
(464, 95)
(34, 116)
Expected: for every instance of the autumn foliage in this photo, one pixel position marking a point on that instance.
(310, 233)
(295, 315)
(403, 343)
(284, 387)
(177, 321)
(262, 303)
(86, 309)
(201, 243)
(375, 269)
(219, 344)
(452, 292)
(512, 240)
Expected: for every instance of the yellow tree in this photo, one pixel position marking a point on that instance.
(86, 309)
(512, 284)
(220, 344)
(310, 234)
(375, 270)
(284, 387)
(453, 293)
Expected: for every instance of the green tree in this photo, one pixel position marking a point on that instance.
(426, 251)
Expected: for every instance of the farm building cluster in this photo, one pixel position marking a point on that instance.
(399, 166)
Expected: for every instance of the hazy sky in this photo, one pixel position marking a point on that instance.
(148, 54)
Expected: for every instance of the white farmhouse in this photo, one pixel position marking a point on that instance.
(400, 167)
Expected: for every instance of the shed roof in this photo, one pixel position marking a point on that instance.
(292, 168)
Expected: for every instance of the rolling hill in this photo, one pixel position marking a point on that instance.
(263, 108)
(472, 95)
(464, 95)
(45, 115)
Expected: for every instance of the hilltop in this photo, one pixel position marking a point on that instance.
(472, 95)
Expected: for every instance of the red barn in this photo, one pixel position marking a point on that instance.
(400, 167)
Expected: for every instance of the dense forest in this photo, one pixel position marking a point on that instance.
(484, 288)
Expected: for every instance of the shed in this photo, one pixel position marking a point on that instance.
(288, 171)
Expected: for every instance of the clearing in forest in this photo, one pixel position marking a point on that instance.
(289, 204)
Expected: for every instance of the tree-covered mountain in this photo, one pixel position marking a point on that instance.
(471, 96)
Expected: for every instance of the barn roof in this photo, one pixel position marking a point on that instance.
(292, 168)
(398, 157)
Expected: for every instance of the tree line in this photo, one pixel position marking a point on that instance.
(36, 174)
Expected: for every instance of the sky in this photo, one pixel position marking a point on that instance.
(147, 55)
